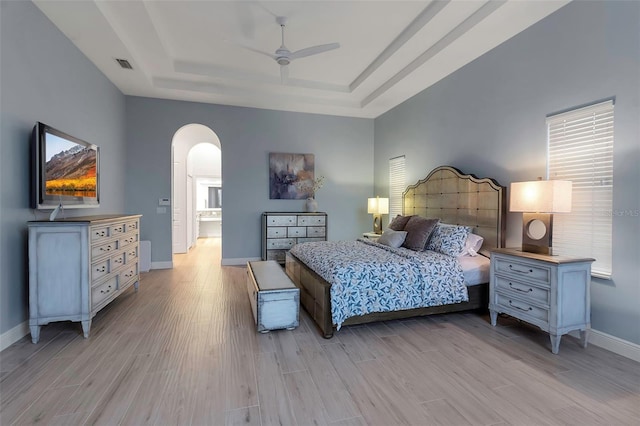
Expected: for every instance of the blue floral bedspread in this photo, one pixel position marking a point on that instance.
(368, 277)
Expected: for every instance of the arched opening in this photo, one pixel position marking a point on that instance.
(196, 158)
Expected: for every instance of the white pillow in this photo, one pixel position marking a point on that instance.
(392, 238)
(472, 245)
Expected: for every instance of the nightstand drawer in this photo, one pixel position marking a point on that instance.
(311, 220)
(277, 232)
(523, 269)
(316, 231)
(522, 308)
(522, 290)
(280, 243)
(296, 231)
(281, 220)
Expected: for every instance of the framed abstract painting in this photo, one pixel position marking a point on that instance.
(289, 174)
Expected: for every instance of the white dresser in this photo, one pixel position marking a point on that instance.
(78, 265)
(551, 292)
(283, 230)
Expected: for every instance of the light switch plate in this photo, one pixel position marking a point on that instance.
(161, 210)
(164, 202)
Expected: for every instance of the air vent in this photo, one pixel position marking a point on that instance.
(124, 64)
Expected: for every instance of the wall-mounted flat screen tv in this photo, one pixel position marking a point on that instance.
(66, 170)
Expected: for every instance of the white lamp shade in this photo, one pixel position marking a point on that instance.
(378, 206)
(541, 196)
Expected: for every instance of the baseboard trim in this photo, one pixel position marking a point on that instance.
(239, 261)
(9, 337)
(615, 344)
(162, 265)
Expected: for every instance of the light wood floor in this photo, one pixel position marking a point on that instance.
(183, 350)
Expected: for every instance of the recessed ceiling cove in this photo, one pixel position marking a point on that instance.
(347, 58)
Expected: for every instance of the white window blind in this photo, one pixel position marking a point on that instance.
(581, 150)
(397, 185)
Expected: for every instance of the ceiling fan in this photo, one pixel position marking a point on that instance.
(283, 56)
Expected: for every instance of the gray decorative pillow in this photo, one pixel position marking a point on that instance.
(392, 238)
(399, 222)
(419, 230)
(449, 239)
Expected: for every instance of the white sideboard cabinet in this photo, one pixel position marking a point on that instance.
(78, 265)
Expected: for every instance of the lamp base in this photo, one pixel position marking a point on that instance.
(537, 230)
(377, 224)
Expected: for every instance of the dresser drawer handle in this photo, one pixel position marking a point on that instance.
(519, 289)
(105, 291)
(104, 268)
(108, 248)
(518, 307)
(520, 270)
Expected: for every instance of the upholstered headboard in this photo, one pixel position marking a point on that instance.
(460, 199)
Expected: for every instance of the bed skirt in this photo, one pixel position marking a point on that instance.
(315, 297)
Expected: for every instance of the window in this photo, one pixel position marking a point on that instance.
(581, 150)
(397, 185)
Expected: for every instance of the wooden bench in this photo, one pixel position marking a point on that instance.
(275, 300)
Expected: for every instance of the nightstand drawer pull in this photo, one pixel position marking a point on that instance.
(520, 270)
(529, 308)
(512, 287)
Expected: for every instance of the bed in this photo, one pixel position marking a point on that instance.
(458, 200)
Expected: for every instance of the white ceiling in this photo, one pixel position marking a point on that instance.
(191, 50)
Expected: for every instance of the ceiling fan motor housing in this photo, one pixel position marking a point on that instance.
(282, 56)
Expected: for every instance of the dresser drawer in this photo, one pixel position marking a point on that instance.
(280, 243)
(131, 226)
(522, 290)
(277, 255)
(129, 239)
(310, 240)
(118, 229)
(281, 220)
(312, 220)
(102, 249)
(296, 231)
(277, 232)
(100, 269)
(316, 231)
(100, 233)
(130, 254)
(522, 268)
(117, 260)
(521, 308)
(104, 291)
(129, 272)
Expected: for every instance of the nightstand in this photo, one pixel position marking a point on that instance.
(371, 236)
(551, 292)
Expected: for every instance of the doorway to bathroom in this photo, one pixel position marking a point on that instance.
(196, 186)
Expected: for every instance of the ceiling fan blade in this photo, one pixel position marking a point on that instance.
(253, 49)
(284, 73)
(314, 50)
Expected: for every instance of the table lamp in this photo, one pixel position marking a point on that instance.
(378, 206)
(538, 200)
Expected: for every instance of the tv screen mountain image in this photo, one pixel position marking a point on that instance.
(71, 170)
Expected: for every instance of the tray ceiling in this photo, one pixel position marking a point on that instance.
(203, 51)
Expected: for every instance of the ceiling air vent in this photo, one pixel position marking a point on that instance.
(124, 64)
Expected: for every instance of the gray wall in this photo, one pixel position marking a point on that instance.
(489, 119)
(44, 77)
(343, 149)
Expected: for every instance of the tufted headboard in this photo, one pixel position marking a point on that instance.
(460, 199)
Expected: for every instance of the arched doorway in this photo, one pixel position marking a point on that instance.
(184, 183)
